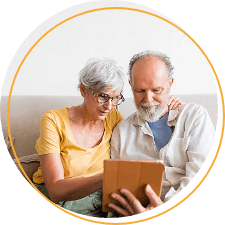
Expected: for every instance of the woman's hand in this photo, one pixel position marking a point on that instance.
(174, 102)
(129, 205)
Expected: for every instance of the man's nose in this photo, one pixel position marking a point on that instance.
(148, 97)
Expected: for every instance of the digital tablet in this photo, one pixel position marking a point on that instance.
(133, 175)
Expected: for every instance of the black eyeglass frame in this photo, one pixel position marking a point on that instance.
(108, 97)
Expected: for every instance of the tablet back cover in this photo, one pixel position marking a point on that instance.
(133, 175)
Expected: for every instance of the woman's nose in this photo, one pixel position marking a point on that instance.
(108, 105)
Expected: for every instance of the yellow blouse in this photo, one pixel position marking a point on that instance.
(56, 137)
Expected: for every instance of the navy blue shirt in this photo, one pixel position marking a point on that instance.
(162, 132)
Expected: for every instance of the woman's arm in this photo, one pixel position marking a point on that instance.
(174, 102)
(60, 189)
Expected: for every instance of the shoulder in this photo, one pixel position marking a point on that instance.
(113, 118)
(192, 109)
(55, 112)
(194, 114)
(128, 122)
(55, 115)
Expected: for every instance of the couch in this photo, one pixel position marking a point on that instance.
(26, 111)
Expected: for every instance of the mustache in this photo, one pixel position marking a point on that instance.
(149, 104)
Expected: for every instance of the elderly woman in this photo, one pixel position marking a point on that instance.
(75, 141)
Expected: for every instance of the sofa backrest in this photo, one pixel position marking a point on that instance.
(24, 117)
(26, 111)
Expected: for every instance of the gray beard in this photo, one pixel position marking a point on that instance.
(151, 115)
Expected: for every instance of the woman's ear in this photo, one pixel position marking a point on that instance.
(83, 90)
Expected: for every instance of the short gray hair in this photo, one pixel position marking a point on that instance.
(163, 57)
(99, 74)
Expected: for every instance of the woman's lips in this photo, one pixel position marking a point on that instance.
(103, 112)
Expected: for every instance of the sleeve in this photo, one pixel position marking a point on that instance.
(201, 139)
(49, 140)
(115, 143)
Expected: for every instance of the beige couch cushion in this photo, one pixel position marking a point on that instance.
(29, 164)
(29, 168)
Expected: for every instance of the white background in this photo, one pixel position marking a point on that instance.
(52, 67)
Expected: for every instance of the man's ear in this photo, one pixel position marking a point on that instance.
(83, 90)
(171, 82)
(130, 83)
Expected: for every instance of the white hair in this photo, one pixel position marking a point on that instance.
(100, 74)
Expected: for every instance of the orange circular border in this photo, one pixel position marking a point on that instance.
(131, 9)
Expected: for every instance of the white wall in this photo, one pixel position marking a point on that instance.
(52, 67)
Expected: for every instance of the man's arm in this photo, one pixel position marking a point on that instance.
(129, 205)
(115, 143)
(201, 135)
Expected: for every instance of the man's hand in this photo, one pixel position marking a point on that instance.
(129, 205)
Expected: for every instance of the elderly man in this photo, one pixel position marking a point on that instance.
(181, 138)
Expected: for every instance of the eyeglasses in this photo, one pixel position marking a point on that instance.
(103, 98)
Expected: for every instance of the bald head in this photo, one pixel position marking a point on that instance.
(151, 54)
(151, 87)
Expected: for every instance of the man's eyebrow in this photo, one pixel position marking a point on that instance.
(138, 87)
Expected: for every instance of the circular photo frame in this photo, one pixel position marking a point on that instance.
(98, 14)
